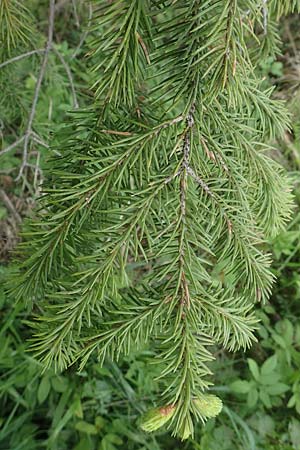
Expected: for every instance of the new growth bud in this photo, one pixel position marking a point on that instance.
(208, 405)
(157, 417)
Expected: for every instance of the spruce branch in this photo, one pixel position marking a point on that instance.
(87, 192)
(120, 60)
(280, 9)
(15, 24)
(229, 320)
(155, 216)
(135, 326)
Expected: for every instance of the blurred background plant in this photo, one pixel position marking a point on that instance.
(97, 409)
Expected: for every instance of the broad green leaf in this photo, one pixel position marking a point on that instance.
(114, 438)
(269, 365)
(263, 333)
(277, 389)
(264, 397)
(285, 329)
(270, 379)
(265, 425)
(78, 408)
(99, 422)
(254, 369)
(86, 427)
(106, 444)
(279, 340)
(294, 431)
(85, 444)
(44, 389)
(240, 386)
(292, 401)
(252, 398)
(59, 383)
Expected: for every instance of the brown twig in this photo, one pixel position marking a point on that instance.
(118, 133)
(185, 292)
(144, 47)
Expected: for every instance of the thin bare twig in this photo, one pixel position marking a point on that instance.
(37, 171)
(24, 55)
(291, 39)
(50, 109)
(84, 35)
(60, 4)
(7, 202)
(70, 76)
(38, 86)
(265, 16)
(38, 140)
(12, 146)
(75, 14)
(199, 180)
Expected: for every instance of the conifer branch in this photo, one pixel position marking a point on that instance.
(15, 25)
(120, 60)
(172, 174)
